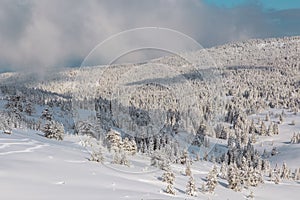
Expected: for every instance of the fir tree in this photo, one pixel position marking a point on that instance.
(263, 130)
(280, 118)
(54, 130)
(233, 178)
(211, 180)
(29, 109)
(297, 174)
(169, 178)
(191, 188)
(47, 114)
(274, 151)
(223, 170)
(124, 160)
(275, 129)
(97, 155)
(114, 140)
(170, 189)
(284, 171)
(295, 138)
(188, 171)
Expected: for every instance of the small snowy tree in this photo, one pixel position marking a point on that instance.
(274, 151)
(133, 147)
(190, 187)
(151, 145)
(184, 157)
(295, 138)
(188, 171)
(97, 155)
(116, 157)
(201, 133)
(284, 171)
(254, 177)
(114, 140)
(276, 178)
(158, 159)
(233, 178)
(129, 146)
(29, 109)
(275, 129)
(263, 130)
(212, 181)
(276, 175)
(223, 170)
(169, 178)
(124, 160)
(267, 117)
(54, 130)
(47, 114)
(170, 189)
(280, 118)
(5, 124)
(297, 174)
(270, 130)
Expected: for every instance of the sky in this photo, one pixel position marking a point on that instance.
(265, 4)
(36, 35)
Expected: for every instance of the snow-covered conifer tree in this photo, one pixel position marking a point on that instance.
(127, 145)
(270, 130)
(54, 130)
(168, 176)
(267, 117)
(275, 129)
(263, 130)
(233, 178)
(170, 189)
(29, 109)
(211, 180)
(223, 170)
(274, 151)
(114, 140)
(191, 187)
(123, 159)
(295, 138)
(297, 174)
(188, 171)
(97, 155)
(47, 114)
(280, 118)
(284, 171)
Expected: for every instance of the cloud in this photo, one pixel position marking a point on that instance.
(40, 34)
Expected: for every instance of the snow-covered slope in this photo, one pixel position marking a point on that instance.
(255, 78)
(33, 167)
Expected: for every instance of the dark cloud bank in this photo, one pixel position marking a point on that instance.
(40, 34)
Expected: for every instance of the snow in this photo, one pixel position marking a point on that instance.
(289, 153)
(34, 167)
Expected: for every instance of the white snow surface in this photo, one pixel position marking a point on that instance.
(34, 167)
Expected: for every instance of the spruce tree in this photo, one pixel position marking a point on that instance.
(54, 130)
(211, 180)
(169, 178)
(188, 171)
(190, 187)
(97, 155)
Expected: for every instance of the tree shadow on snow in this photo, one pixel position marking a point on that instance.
(225, 185)
(179, 190)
